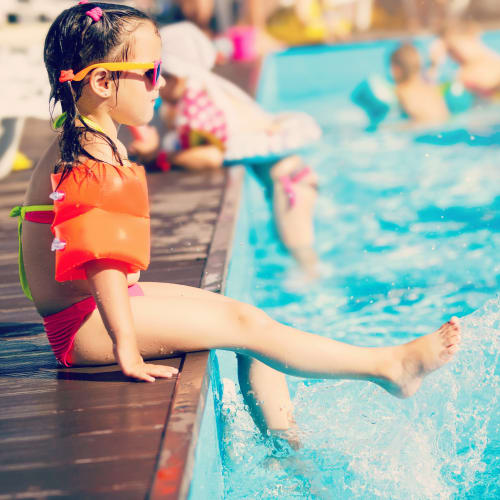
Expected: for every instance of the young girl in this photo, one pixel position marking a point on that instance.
(102, 61)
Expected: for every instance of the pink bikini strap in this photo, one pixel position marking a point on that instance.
(41, 217)
(287, 181)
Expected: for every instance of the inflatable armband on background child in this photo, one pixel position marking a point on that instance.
(457, 97)
(377, 96)
(101, 212)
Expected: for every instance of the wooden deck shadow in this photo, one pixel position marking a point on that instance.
(12, 329)
(111, 373)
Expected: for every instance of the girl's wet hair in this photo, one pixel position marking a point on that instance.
(75, 41)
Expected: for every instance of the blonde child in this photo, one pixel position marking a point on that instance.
(102, 61)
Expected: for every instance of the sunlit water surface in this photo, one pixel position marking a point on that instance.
(408, 226)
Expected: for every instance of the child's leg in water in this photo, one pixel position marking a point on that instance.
(170, 318)
(265, 392)
(294, 197)
(264, 389)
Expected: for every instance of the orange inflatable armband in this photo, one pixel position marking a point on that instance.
(101, 212)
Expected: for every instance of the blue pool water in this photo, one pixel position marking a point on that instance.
(408, 230)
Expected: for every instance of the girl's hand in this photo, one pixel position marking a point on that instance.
(133, 366)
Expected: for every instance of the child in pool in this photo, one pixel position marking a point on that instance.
(479, 70)
(419, 98)
(102, 65)
(207, 121)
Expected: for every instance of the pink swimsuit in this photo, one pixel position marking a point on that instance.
(62, 327)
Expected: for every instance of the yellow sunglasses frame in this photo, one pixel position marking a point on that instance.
(116, 66)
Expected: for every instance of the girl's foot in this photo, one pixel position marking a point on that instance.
(416, 359)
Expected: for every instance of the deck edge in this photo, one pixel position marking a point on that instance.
(174, 471)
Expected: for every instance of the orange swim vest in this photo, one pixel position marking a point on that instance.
(101, 212)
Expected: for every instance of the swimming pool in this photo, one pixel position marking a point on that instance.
(408, 230)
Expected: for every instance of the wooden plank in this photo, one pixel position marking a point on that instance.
(80, 397)
(214, 274)
(79, 448)
(42, 427)
(10, 330)
(87, 479)
(176, 460)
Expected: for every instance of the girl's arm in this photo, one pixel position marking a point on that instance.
(108, 283)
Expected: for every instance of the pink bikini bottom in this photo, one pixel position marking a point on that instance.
(61, 327)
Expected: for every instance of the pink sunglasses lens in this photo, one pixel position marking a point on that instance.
(154, 74)
(157, 74)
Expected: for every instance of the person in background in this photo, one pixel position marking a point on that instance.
(200, 12)
(479, 65)
(421, 100)
(206, 121)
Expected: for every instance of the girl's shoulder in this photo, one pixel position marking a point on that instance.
(92, 183)
(98, 147)
(98, 169)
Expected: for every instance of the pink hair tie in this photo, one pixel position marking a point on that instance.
(83, 2)
(66, 75)
(95, 13)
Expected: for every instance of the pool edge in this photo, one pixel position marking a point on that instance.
(176, 457)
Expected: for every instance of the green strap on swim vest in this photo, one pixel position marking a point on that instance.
(20, 211)
(59, 122)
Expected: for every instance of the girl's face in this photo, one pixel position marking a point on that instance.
(136, 93)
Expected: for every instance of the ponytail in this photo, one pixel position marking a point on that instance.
(75, 41)
(70, 138)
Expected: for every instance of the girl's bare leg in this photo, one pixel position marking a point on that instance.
(264, 389)
(182, 323)
(265, 392)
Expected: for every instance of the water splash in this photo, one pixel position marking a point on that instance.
(360, 442)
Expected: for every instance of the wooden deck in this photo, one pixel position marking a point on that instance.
(90, 432)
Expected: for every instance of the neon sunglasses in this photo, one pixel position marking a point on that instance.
(153, 73)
